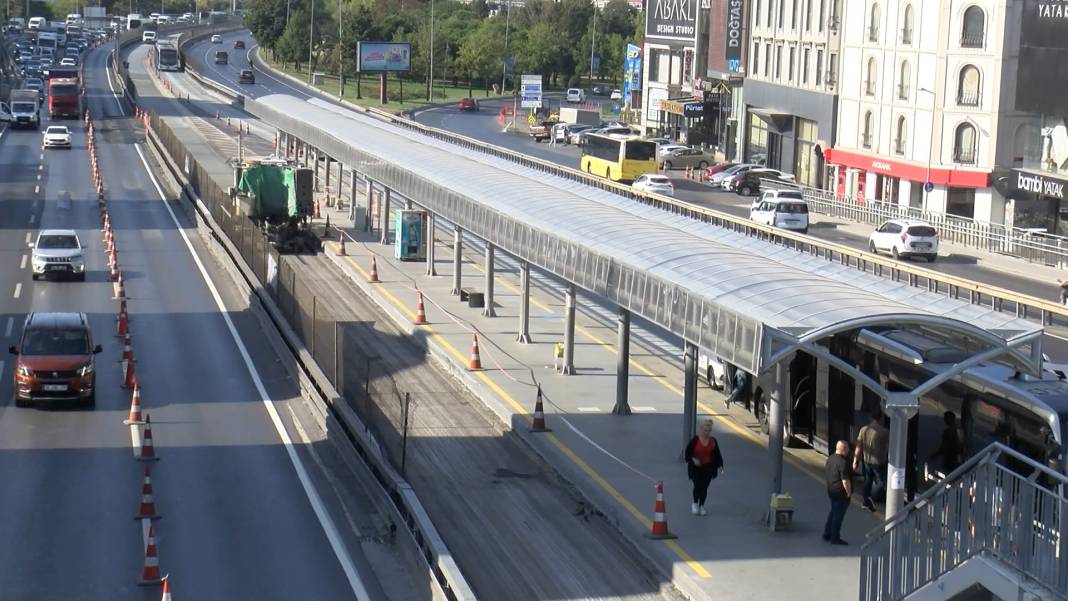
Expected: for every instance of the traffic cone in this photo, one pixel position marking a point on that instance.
(150, 573)
(660, 527)
(420, 312)
(120, 288)
(135, 408)
(476, 361)
(148, 450)
(341, 248)
(538, 425)
(127, 349)
(129, 379)
(374, 271)
(166, 588)
(147, 509)
(326, 230)
(124, 326)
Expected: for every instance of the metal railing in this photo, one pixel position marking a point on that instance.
(964, 155)
(869, 87)
(1000, 504)
(899, 146)
(972, 40)
(902, 92)
(966, 98)
(873, 34)
(906, 35)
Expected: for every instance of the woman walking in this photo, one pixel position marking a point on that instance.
(704, 462)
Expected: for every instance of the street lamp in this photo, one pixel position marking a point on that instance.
(507, 27)
(340, 53)
(430, 82)
(593, 42)
(311, 40)
(927, 182)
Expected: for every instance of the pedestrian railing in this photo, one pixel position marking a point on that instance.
(1000, 504)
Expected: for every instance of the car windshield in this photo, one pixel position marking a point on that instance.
(794, 208)
(23, 107)
(65, 89)
(68, 341)
(923, 230)
(659, 180)
(57, 129)
(61, 241)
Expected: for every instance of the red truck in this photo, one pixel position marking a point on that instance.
(63, 98)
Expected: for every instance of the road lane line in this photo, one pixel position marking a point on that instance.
(40, 167)
(33, 218)
(27, 237)
(9, 326)
(42, 156)
(329, 528)
(18, 290)
(37, 188)
(22, 263)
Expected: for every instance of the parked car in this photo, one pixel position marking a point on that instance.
(723, 178)
(575, 131)
(681, 158)
(655, 183)
(55, 360)
(904, 238)
(246, 76)
(575, 95)
(716, 169)
(616, 95)
(68, 62)
(56, 136)
(599, 90)
(216, 39)
(663, 151)
(749, 183)
(239, 44)
(777, 195)
(468, 104)
(785, 213)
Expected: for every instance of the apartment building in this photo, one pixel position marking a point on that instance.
(922, 102)
(674, 62)
(791, 84)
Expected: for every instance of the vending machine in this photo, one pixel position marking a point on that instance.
(409, 238)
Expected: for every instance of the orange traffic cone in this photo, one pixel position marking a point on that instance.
(150, 573)
(135, 408)
(148, 450)
(341, 247)
(166, 588)
(420, 312)
(127, 350)
(147, 508)
(120, 288)
(660, 527)
(123, 327)
(129, 378)
(476, 361)
(374, 270)
(538, 425)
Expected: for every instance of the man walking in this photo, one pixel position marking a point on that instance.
(839, 489)
(870, 457)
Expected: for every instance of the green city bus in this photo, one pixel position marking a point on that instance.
(617, 157)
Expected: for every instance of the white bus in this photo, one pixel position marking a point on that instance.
(167, 56)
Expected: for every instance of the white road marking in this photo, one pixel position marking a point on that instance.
(9, 326)
(325, 520)
(22, 263)
(33, 218)
(18, 290)
(643, 409)
(40, 167)
(1, 367)
(37, 189)
(589, 410)
(42, 156)
(27, 237)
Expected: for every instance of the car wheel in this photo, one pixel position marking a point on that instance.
(21, 402)
(80, 277)
(667, 166)
(871, 248)
(745, 191)
(35, 276)
(713, 383)
(702, 165)
(897, 255)
(932, 258)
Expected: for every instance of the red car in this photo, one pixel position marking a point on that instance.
(714, 169)
(239, 43)
(468, 104)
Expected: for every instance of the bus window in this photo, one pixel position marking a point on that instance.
(640, 150)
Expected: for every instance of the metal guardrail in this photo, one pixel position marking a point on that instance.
(1047, 249)
(999, 504)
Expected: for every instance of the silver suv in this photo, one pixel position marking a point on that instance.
(58, 253)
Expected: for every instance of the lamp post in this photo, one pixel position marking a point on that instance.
(930, 151)
(507, 28)
(430, 79)
(340, 53)
(311, 39)
(593, 42)
(287, 12)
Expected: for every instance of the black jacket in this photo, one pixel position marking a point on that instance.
(717, 459)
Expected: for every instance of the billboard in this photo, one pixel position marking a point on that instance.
(383, 56)
(530, 92)
(1043, 57)
(632, 71)
(733, 37)
(671, 19)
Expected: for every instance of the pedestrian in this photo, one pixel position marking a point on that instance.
(870, 457)
(839, 489)
(1064, 291)
(949, 448)
(704, 462)
(737, 393)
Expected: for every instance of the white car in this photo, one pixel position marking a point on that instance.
(904, 238)
(58, 252)
(216, 39)
(56, 136)
(68, 62)
(654, 183)
(777, 195)
(787, 213)
(148, 37)
(616, 95)
(575, 95)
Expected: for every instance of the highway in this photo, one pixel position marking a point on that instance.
(240, 491)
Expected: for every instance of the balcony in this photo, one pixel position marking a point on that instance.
(869, 87)
(964, 155)
(831, 79)
(967, 98)
(899, 147)
(972, 40)
(873, 34)
(902, 92)
(865, 140)
(906, 35)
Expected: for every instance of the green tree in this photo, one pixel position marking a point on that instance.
(482, 54)
(617, 17)
(266, 19)
(292, 47)
(541, 49)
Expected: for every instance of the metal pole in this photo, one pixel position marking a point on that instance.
(593, 42)
(488, 311)
(430, 79)
(507, 29)
(622, 363)
(901, 410)
(311, 39)
(524, 303)
(385, 216)
(457, 259)
(370, 192)
(340, 53)
(288, 2)
(689, 392)
(569, 330)
(352, 197)
(776, 423)
(430, 269)
(404, 433)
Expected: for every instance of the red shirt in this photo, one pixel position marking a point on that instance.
(702, 452)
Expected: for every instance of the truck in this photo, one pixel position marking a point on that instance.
(133, 21)
(48, 39)
(63, 100)
(583, 116)
(25, 107)
(277, 196)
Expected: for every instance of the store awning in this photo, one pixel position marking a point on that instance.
(778, 121)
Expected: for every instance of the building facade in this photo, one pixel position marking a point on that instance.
(791, 83)
(673, 62)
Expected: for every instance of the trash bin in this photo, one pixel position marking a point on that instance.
(317, 79)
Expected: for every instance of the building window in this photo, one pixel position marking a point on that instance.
(822, 15)
(819, 67)
(756, 11)
(808, 14)
(899, 140)
(903, 81)
(873, 25)
(778, 61)
(832, 69)
(782, 13)
(771, 8)
(968, 86)
(793, 13)
(906, 30)
(973, 32)
(964, 143)
(758, 140)
(869, 84)
(866, 133)
(806, 165)
(790, 67)
(754, 59)
(767, 59)
(961, 202)
(806, 56)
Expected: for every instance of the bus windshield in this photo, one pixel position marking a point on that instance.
(168, 56)
(64, 89)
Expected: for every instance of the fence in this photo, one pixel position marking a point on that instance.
(999, 504)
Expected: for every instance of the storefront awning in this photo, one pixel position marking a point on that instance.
(779, 121)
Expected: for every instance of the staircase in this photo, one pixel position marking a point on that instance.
(995, 527)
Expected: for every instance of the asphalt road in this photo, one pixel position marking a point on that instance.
(239, 522)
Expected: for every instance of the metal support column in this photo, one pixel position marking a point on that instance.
(370, 192)
(524, 302)
(777, 402)
(352, 197)
(384, 221)
(901, 407)
(622, 363)
(326, 163)
(569, 331)
(430, 269)
(488, 311)
(457, 259)
(315, 180)
(689, 392)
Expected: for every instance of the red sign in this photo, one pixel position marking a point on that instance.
(957, 178)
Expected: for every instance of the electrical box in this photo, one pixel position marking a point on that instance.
(410, 227)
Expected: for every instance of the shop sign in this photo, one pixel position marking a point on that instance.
(671, 19)
(735, 12)
(693, 110)
(1037, 184)
(632, 71)
(1044, 49)
(671, 106)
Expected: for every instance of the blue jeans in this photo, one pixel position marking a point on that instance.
(873, 478)
(832, 530)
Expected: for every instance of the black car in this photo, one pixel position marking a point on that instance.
(246, 76)
(748, 183)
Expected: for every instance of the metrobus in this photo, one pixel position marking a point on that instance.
(993, 402)
(617, 157)
(167, 56)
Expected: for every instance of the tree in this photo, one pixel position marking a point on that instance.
(266, 19)
(541, 50)
(480, 8)
(293, 45)
(482, 54)
(617, 17)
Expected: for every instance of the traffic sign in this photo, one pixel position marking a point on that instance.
(530, 92)
(928, 187)
(531, 120)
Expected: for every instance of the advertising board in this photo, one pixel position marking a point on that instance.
(671, 19)
(1043, 57)
(383, 56)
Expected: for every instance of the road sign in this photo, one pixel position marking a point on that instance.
(530, 92)
(531, 120)
(928, 187)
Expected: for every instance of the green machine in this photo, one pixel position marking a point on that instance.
(278, 197)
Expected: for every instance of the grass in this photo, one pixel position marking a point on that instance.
(414, 92)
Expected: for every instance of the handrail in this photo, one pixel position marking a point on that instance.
(999, 504)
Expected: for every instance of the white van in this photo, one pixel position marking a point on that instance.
(148, 36)
(575, 95)
(37, 23)
(787, 213)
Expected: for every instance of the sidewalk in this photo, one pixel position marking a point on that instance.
(615, 461)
